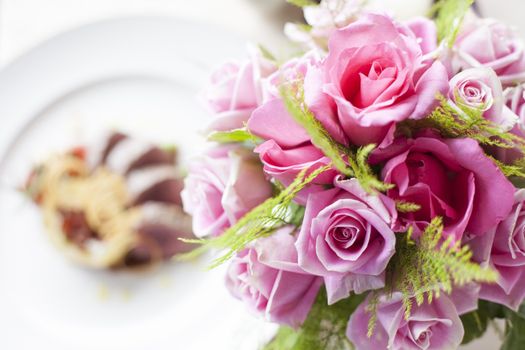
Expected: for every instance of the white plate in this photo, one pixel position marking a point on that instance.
(140, 75)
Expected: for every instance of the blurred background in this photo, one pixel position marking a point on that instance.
(25, 23)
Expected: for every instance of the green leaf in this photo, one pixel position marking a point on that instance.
(233, 136)
(302, 3)
(325, 327)
(514, 331)
(475, 324)
(267, 53)
(449, 17)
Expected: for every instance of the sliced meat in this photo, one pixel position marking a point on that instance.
(113, 140)
(154, 156)
(159, 235)
(140, 180)
(166, 191)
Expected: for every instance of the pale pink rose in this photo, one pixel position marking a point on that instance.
(480, 89)
(288, 149)
(374, 76)
(222, 187)
(282, 294)
(426, 33)
(290, 72)
(491, 44)
(451, 178)
(434, 326)
(347, 238)
(323, 20)
(503, 248)
(235, 91)
(514, 98)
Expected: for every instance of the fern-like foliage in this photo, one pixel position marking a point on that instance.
(302, 3)
(352, 163)
(242, 135)
(293, 98)
(460, 121)
(407, 207)
(262, 221)
(325, 327)
(425, 267)
(449, 17)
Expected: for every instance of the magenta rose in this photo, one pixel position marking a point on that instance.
(222, 187)
(347, 238)
(288, 149)
(503, 248)
(480, 89)
(451, 178)
(267, 279)
(374, 76)
(235, 91)
(491, 44)
(434, 326)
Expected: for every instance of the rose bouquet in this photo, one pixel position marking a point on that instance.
(367, 192)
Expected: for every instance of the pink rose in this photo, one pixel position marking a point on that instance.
(451, 178)
(514, 98)
(236, 90)
(221, 188)
(489, 43)
(480, 88)
(323, 19)
(283, 294)
(347, 239)
(288, 149)
(434, 326)
(503, 248)
(375, 75)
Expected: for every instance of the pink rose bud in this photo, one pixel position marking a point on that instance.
(480, 89)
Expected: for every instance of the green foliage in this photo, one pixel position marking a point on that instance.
(234, 136)
(514, 329)
(449, 16)
(325, 327)
(425, 267)
(266, 53)
(476, 322)
(363, 172)
(407, 207)
(262, 221)
(293, 97)
(348, 162)
(302, 3)
(467, 122)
